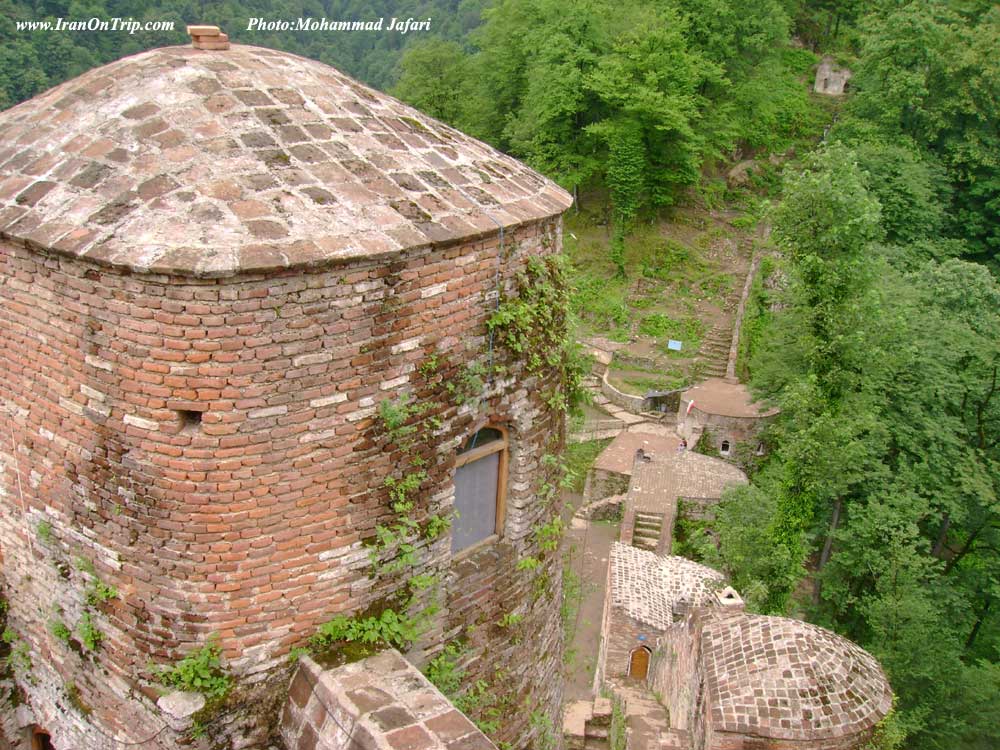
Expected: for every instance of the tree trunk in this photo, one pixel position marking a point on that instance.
(979, 622)
(942, 536)
(964, 551)
(824, 556)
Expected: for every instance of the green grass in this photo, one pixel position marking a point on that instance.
(579, 458)
(600, 304)
(687, 330)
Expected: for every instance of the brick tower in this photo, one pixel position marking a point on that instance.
(240, 295)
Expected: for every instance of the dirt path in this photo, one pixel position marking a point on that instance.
(590, 544)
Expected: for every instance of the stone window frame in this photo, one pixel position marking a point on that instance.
(501, 446)
(725, 447)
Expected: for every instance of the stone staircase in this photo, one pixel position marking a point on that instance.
(647, 722)
(647, 531)
(714, 351)
(587, 725)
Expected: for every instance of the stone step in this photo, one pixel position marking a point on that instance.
(601, 713)
(597, 733)
(648, 517)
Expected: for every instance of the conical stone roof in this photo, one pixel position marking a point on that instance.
(211, 163)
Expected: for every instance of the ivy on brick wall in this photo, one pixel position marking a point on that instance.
(534, 326)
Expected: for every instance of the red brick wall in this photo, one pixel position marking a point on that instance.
(249, 525)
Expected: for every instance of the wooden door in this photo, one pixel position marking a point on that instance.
(638, 664)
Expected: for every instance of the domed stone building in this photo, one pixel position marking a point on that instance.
(679, 650)
(722, 412)
(247, 384)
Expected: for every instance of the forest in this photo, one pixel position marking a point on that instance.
(877, 330)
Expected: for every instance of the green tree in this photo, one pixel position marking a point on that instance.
(433, 79)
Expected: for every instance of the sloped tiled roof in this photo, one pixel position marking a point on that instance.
(726, 398)
(619, 456)
(658, 483)
(648, 587)
(209, 163)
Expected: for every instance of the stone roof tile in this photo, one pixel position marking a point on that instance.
(214, 162)
(650, 587)
(657, 484)
(783, 678)
(725, 398)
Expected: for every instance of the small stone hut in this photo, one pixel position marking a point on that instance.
(831, 79)
(646, 593)
(612, 469)
(724, 411)
(665, 485)
(244, 301)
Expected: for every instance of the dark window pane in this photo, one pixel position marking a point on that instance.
(475, 501)
(481, 438)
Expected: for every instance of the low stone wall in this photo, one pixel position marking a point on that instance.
(624, 400)
(602, 484)
(379, 703)
(605, 509)
(697, 508)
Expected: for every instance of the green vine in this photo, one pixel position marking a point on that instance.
(389, 627)
(534, 325)
(90, 636)
(19, 658)
(44, 531)
(60, 630)
(479, 698)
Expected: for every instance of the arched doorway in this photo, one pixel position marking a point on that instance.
(40, 740)
(638, 663)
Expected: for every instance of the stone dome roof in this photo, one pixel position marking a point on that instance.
(649, 587)
(726, 398)
(209, 163)
(782, 678)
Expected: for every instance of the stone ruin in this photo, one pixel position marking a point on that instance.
(704, 674)
(692, 670)
(831, 79)
(218, 265)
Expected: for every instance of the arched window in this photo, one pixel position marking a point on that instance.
(724, 448)
(480, 488)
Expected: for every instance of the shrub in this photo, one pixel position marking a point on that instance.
(199, 672)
